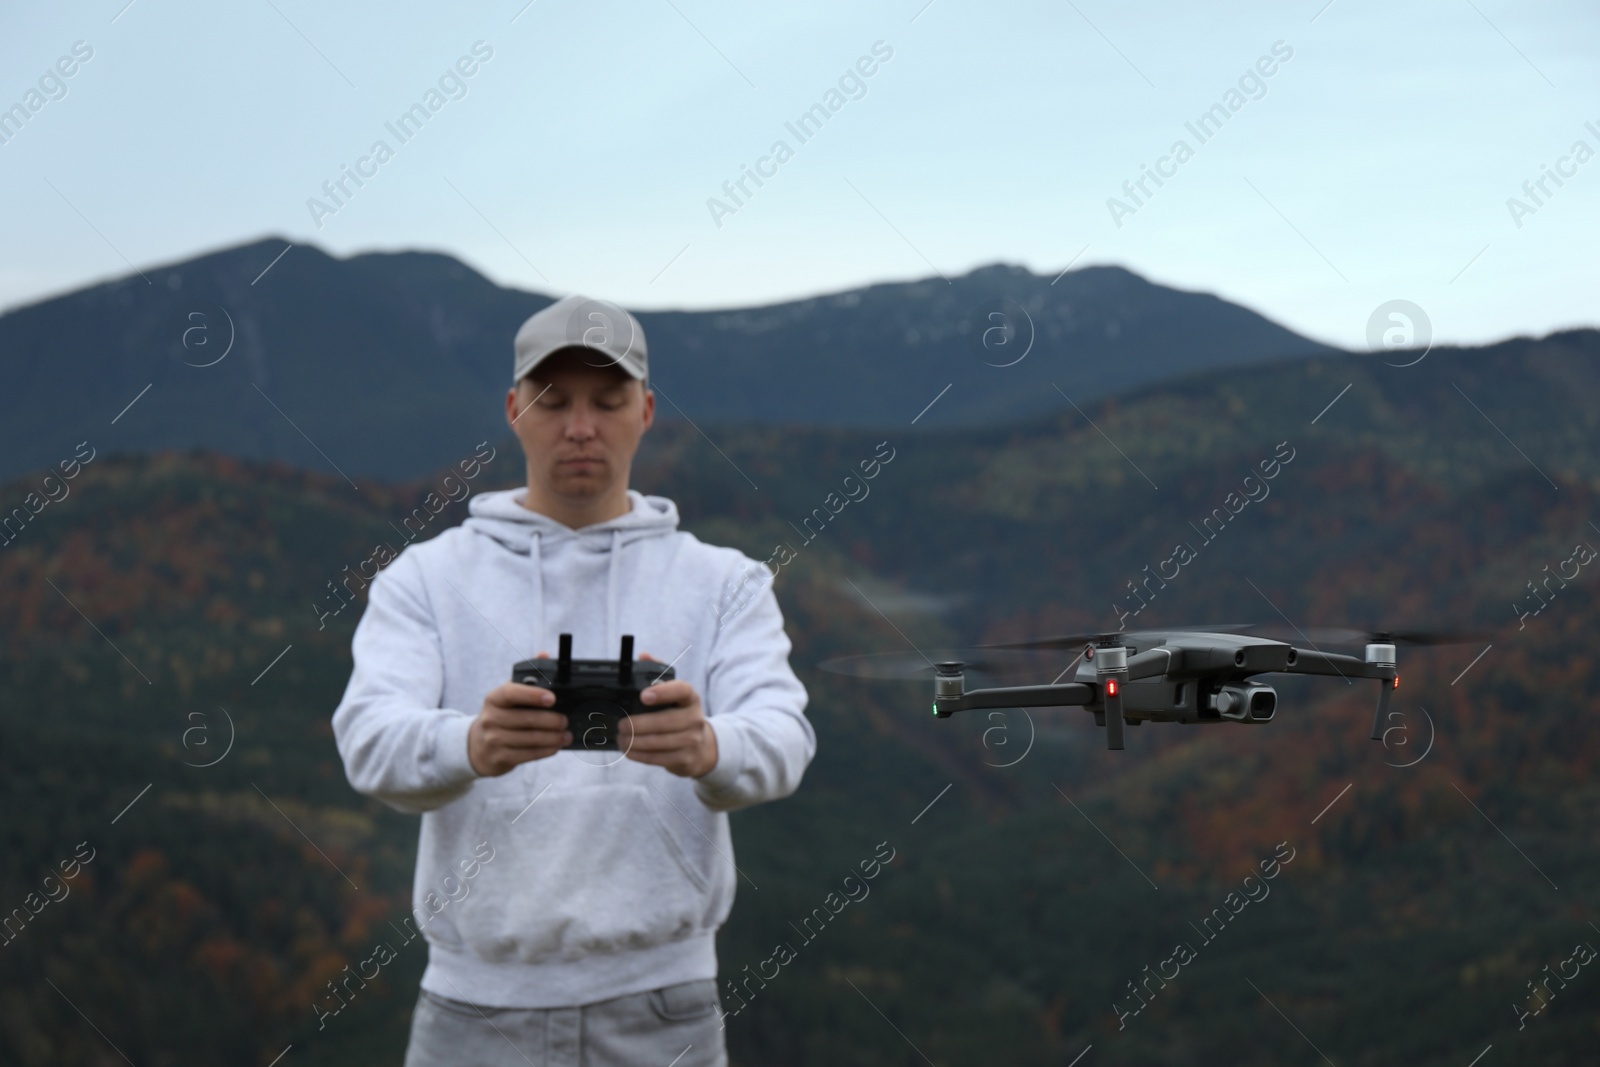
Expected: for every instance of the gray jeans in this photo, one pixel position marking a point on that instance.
(677, 1026)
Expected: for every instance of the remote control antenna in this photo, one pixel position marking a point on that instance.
(564, 661)
(625, 661)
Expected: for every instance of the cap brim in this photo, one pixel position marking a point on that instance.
(606, 359)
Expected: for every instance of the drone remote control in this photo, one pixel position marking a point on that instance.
(594, 694)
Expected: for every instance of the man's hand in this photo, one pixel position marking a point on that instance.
(509, 730)
(681, 740)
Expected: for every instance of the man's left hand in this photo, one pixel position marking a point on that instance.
(679, 737)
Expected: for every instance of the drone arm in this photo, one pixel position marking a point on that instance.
(1348, 667)
(1153, 663)
(1335, 664)
(1022, 696)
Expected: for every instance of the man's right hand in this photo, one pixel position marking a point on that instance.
(510, 729)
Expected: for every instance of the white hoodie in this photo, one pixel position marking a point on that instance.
(607, 876)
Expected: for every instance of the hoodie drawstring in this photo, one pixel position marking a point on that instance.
(537, 555)
(613, 638)
(536, 561)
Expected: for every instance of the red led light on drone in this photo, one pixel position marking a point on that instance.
(1111, 687)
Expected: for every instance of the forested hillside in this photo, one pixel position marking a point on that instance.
(171, 660)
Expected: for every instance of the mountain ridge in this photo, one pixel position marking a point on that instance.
(391, 363)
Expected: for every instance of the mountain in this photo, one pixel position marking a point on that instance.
(170, 663)
(391, 365)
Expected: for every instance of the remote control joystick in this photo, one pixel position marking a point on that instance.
(595, 695)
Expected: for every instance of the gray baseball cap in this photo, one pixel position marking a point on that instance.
(578, 321)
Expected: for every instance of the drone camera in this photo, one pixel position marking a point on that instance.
(1263, 705)
(1246, 703)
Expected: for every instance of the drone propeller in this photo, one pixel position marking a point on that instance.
(1070, 641)
(1334, 635)
(914, 666)
(1379, 651)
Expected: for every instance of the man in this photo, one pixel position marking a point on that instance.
(570, 899)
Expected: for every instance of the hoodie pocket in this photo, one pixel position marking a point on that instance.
(584, 870)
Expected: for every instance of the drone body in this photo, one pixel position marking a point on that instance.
(1187, 676)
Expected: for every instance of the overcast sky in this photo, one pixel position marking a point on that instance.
(1374, 162)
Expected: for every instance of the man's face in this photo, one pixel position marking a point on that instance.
(579, 419)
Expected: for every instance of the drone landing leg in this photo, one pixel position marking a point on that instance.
(1114, 720)
(1385, 687)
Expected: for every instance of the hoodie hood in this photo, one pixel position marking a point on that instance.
(501, 516)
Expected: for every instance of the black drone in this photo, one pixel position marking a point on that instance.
(1204, 675)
